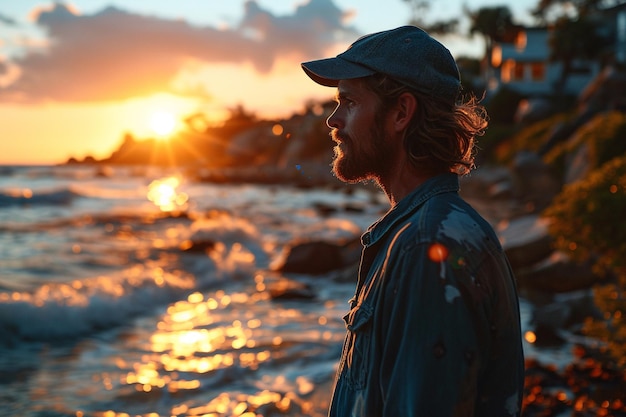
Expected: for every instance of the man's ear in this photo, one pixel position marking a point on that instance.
(406, 106)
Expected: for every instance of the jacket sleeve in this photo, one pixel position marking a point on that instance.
(434, 331)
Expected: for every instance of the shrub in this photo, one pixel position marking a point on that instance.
(587, 216)
(587, 221)
(605, 135)
(530, 138)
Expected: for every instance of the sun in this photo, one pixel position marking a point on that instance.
(163, 123)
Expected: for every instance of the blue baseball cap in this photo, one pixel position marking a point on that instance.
(407, 54)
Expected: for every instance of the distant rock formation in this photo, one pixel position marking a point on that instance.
(243, 149)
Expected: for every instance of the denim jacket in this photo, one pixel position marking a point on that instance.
(434, 327)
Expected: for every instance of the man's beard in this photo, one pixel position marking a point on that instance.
(352, 165)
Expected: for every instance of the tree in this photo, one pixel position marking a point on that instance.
(495, 24)
(571, 8)
(420, 8)
(573, 39)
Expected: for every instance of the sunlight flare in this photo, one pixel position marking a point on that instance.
(163, 123)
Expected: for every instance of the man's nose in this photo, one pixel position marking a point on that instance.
(333, 120)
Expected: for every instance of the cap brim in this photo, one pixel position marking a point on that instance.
(330, 71)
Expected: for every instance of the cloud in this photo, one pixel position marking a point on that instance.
(115, 54)
(313, 26)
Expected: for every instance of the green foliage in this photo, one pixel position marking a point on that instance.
(559, 8)
(611, 328)
(492, 22)
(575, 39)
(604, 135)
(587, 217)
(587, 222)
(530, 138)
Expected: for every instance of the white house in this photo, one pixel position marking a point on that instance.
(524, 66)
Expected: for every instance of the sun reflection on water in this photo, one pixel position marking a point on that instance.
(163, 193)
(208, 339)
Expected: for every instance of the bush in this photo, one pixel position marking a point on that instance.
(587, 217)
(530, 138)
(587, 222)
(604, 134)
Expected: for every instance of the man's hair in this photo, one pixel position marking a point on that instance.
(441, 136)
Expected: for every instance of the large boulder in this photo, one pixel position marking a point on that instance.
(525, 240)
(606, 92)
(318, 257)
(557, 274)
(534, 182)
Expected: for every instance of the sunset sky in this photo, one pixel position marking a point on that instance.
(76, 76)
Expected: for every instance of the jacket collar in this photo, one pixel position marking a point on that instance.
(436, 185)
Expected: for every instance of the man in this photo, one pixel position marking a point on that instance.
(434, 326)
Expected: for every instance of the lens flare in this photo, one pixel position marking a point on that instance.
(437, 252)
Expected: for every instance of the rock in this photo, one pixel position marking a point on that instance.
(324, 209)
(564, 314)
(578, 164)
(554, 315)
(204, 246)
(533, 181)
(557, 274)
(318, 257)
(525, 240)
(532, 110)
(605, 92)
(286, 289)
(548, 336)
(486, 183)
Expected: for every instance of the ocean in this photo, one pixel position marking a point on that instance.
(132, 291)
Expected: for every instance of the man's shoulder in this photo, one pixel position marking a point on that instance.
(446, 217)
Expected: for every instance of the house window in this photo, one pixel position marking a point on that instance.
(512, 71)
(496, 56)
(520, 41)
(538, 71)
(507, 69)
(518, 71)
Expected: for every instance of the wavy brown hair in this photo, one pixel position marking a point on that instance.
(442, 135)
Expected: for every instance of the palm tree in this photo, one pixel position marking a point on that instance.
(495, 24)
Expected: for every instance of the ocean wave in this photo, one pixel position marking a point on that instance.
(57, 312)
(61, 197)
(65, 311)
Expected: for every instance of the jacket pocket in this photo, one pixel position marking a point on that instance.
(357, 345)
